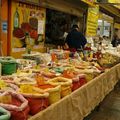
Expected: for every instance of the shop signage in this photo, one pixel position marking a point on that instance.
(114, 1)
(4, 26)
(92, 21)
(27, 27)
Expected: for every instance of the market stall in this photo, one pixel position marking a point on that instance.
(44, 85)
(59, 84)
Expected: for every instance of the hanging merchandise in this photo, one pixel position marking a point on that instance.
(16, 19)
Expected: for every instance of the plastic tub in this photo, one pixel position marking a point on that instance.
(9, 65)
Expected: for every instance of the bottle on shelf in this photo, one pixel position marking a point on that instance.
(16, 19)
(28, 46)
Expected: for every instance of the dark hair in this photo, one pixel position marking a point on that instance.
(75, 26)
(104, 36)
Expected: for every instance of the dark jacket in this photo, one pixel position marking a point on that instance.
(115, 42)
(76, 39)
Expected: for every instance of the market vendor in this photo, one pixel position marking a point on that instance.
(75, 39)
(116, 39)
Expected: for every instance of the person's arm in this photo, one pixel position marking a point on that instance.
(67, 42)
(84, 40)
(113, 43)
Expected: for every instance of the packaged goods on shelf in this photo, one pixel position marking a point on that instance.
(108, 60)
(40, 58)
(24, 64)
(57, 55)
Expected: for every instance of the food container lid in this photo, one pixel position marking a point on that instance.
(7, 60)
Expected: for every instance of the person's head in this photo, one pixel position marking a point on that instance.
(104, 36)
(75, 26)
(116, 31)
(63, 25)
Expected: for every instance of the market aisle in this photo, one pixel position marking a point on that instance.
(109, 109)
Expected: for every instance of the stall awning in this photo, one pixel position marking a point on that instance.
(111, 11)
(105, 17)
(67, 6)
(33, 2)
(89, 2)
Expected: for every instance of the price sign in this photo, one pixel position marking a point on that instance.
(92, 21)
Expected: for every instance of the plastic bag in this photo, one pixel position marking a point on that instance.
(37, 104)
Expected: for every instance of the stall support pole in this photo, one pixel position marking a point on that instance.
(1, 52)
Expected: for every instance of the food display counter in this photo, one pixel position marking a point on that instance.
(81, 102)
(60, 84)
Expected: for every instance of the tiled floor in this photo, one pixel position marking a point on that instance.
(109, 109)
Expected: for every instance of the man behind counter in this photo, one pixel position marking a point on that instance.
(75, 39)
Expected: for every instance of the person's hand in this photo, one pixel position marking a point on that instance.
(66, 46)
